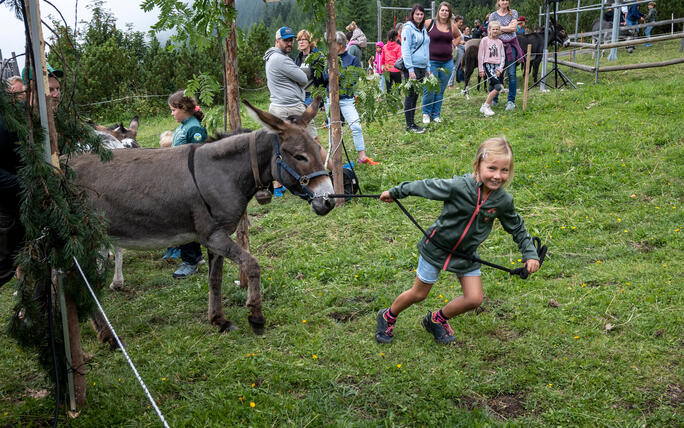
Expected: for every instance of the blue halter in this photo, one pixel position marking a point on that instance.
(303, 180)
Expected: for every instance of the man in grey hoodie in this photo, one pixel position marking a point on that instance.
(286, 82)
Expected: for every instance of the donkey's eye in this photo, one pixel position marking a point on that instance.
(301, 158)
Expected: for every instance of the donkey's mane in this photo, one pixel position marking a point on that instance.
(235, 142)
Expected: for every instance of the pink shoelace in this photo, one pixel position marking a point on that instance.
(448, 328)
(390, 329)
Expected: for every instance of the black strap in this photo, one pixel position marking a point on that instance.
(191, 167)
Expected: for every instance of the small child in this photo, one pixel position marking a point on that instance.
(187, 112)
(490, 62)
(471, 203)
(650, 17)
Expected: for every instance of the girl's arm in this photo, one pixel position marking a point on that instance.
(481, 54)
(514, 224)
(435, 189)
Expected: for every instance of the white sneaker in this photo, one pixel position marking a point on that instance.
(486, 110)
(426, 118)
(510, 105)
(437, 120)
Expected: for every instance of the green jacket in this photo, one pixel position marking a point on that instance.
(460, 196)
(188, 132)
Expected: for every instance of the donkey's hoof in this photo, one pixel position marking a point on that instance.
(227, 326)
(257, 324)
(114, 345)
(116, 286)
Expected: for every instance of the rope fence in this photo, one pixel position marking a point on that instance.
(121, 346)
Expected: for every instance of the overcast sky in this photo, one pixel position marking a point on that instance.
(125, 11)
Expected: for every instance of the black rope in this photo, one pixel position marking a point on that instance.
(521, 272)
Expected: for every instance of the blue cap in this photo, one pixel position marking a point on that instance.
(285, 33)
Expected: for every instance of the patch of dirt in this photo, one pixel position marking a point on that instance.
(644, 246)
(503, 334)
(343, 317)
(674, 395)
(507, 406)
(467, 402)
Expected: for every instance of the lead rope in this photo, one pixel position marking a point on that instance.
(521, 272)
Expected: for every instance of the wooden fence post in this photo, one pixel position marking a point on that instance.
(335, 116)
(527, 75)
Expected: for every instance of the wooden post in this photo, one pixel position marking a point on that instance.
(235, 122)
(335, 116)
(527, 75)
(46, 108)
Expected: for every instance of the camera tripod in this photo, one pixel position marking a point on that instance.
(558, 72)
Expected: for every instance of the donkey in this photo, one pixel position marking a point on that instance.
(469, 63)
(607, 34)
(204, 192)
(557, 34)
(118, 136)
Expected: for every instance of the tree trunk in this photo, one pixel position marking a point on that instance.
(234, 121)
(335, 116)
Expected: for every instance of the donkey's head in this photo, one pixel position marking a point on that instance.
(123, 134)
(297, 163)
(558, 34)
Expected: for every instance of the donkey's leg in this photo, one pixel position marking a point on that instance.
(221, 243)
(118, 280)
(216, 315)
(104, 334)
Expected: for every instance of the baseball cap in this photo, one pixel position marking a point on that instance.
(285, 33)
(51, 72)
(521, 18)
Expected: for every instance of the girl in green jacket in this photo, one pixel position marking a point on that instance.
(471, 203)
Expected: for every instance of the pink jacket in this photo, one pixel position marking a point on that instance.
(391, 52)
(492, 52)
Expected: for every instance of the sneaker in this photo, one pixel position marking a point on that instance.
(442, 332)
(486, 110)
(415, 129)
(426, 118)
(368, 161)
(510, 105)
(384, 332)
(185, 270)
(278, 192)
(172, 253)
(437, 119)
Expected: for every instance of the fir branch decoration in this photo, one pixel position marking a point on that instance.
(58, 225)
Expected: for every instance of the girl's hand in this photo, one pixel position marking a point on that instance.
(480, 73)
(385, 196)
(532, 265)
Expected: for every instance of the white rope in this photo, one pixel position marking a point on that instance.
(118, 341)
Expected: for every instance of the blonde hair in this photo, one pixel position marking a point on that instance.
(498, 147)
(303, 34)
(495, 24)
(352, 26)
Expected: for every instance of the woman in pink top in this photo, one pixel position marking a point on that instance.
(391, 53)
(442, 33)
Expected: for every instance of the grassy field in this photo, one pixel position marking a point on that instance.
(593, 339)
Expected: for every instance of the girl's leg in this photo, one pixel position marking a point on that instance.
(471, 298)
(491, 96)
(415, 294)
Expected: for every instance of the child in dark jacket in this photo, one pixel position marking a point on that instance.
(471, 203)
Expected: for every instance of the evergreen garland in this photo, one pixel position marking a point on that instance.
(58, 226)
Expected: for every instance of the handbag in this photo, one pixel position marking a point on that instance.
(399, 65)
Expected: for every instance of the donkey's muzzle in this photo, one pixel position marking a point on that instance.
(322, 205)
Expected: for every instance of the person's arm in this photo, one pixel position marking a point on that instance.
(290, 70)
(514, 224)
(196, 134)
(502, 61)
(481, 56)
(458, 37)
(436, 189)
(407, 49)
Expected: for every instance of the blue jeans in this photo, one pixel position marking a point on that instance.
(648, 34)
(432, 101)
(351, 116)
(512, 78)
(381, 82)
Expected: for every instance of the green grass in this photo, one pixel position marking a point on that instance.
(598, 176)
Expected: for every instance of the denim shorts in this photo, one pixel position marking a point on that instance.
(428, 273)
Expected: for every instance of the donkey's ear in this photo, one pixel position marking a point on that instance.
(311, 111)
(266, 119)
(133, 126)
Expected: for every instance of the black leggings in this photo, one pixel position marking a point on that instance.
(412, 98)
(394, 78)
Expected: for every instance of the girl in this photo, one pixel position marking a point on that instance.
(471, 203)
(415, 49)
(186, 112)
(509, 22)
(442, 35)
(391, 52)
(377, 65)
(490, 62)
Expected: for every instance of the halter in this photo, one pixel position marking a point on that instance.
(303, 180)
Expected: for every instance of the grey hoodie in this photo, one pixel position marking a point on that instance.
(285, 80)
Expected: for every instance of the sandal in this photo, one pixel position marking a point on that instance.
(369, 161)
